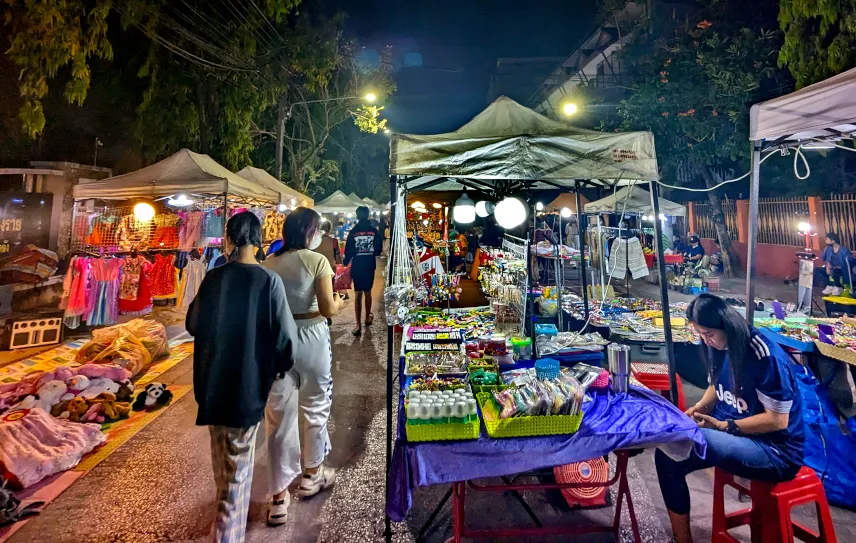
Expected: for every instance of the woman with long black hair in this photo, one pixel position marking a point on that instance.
(243, 333)
(750, 414)
(307, 278)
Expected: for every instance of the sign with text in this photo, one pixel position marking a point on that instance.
(435, 339)
(25, 219)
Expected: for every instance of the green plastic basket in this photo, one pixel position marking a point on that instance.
(443, 432)
(478, 389)
(547, 425)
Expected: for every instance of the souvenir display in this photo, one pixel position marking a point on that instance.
(443, 288)
(435, 363)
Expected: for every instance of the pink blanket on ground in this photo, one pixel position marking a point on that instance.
(35, 445)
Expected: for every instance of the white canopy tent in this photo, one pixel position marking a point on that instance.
(508, 141)
(634, 199)
(185, 172)
(372, 205)
(265, 179)
(820, 114)
(338, 202)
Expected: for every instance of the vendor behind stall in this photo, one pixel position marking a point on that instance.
(835, 259)
(750, 415)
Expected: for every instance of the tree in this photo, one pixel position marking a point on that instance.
(819, 38)
(692, 86)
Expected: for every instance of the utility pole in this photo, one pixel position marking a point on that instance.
(280, 135)
(97, 145)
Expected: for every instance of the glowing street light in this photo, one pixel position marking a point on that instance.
(387, 131)
(569, 108)
(566, 212)
(370, 97)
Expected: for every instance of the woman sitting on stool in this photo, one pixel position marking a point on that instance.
(835, 260)
(749, 415)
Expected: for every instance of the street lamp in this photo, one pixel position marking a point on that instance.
(387, 131)
(569, 108)
(370, 97)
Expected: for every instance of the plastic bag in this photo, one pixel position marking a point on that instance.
(133, 345)
(343, 278)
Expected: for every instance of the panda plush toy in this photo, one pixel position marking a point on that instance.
(154, 395)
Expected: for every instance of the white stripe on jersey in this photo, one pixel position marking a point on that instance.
(760, 348)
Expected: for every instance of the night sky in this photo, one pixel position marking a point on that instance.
(457, 43)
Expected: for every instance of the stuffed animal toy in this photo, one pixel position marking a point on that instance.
(98, 386)
(47, 396)
(109, 408)
(155, 394)
(76, 385)
(107, 371)
(72, 410)
(125, 392)
(10, 507)
(62, 373)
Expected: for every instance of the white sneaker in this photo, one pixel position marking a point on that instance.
(278, 510)
(827, 291)
(836, 291)
(313, 484)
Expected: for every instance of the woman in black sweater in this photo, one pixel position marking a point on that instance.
(243, 330)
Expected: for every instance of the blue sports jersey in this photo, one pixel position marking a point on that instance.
(767, 384)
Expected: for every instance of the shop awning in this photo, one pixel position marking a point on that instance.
(639, 201)
(265, 179)
(508, 141)
(338, 202)
(185, 172)
(827, 108)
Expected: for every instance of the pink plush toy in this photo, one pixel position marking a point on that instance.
(106, 371)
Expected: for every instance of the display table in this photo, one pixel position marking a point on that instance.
(611, 422)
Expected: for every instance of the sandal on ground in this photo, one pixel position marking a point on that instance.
(370, 319)
(278, 511)
(356, 332)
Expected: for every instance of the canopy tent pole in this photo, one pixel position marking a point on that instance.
(390, 356)
(664, 291)
(530, 302)
(582, 231)
(751, 250)
(560, 274)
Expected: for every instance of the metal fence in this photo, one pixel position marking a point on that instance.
(704, 219)
(778, 219)
(839, 216)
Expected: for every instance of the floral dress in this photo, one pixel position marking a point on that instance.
(135, 296)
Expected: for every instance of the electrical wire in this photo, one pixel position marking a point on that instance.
(744, 176)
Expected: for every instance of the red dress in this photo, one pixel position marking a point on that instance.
(142, 305)
(162, 275)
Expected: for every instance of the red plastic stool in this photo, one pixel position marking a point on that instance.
(770, 514)
(656, 377)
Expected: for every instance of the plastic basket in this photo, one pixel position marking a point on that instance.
(486, 388)
(443, 431)
(547, 368)
(547, 425)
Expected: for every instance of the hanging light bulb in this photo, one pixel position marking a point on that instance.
(464, 211)
(539, 206)
(417, 205)
(662, 217)
(144, 212)
(179, 201)
(436, 205)
(483, 209)
(510, 212)
(566, 212)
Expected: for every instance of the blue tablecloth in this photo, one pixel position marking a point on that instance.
(637, 419)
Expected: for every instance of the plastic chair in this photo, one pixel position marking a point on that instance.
(656, 377)
(770, 515)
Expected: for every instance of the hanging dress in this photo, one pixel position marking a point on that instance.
(141, 304)
(191, 278)
(191, 230)
(214, 227)
(77, 279)
(163, 277)
(103, 294)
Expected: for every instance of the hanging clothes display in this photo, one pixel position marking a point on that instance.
(191, 278)
(191, 229)
(163, 277)
(136, 294)
(102, 296)
(166, 231)
(214, 226)
(627, 254)
(133, 233)
(272, 226)
(76, 285)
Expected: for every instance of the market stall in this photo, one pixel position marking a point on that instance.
(486, 381)
(289, 197)
(152, 234)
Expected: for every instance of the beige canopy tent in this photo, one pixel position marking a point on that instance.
(185, 172)
(508, 141)
(634, 200)
(338, 202)
(290, 196)
(566, 200)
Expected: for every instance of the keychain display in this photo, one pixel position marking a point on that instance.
(444, 287)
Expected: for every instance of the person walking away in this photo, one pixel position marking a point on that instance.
(750, 415)
(362, 248)
(572, 232)
(330, 249)
(243, 344)
(307, 276)
(836, 259)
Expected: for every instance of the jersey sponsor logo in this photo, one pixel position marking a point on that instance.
(730, 399)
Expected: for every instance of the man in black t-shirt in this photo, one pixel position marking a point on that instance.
(364, 244)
